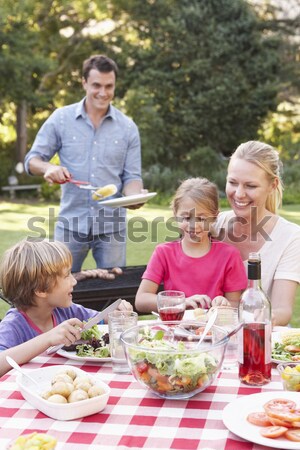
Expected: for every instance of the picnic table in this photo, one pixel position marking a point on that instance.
(134, 418)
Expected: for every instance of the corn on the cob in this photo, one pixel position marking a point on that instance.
(105, 191)
(291, 337)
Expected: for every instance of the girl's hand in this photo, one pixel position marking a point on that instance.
(220, 301)
(125, 306)
(66, 332)
(198, 301)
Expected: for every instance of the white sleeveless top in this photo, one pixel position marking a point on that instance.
(280, 256)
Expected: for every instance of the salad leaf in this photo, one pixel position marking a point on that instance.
(159, 335)
(203, 363)
(279, 352)
(93, 332)
(84, 350)
(102, 352)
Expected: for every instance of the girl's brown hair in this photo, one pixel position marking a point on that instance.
(31, 266)
(202, 191)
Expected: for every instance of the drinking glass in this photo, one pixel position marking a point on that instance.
(171, 305)
(119, 321)
(228, 319)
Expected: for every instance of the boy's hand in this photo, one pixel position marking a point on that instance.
(66, 332)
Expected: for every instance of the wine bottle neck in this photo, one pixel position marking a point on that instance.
(254, 270)
(254, 284)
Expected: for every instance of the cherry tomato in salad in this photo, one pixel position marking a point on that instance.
(259, 418)
(273, 432)
(142, 367)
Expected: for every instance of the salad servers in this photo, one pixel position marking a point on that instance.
(232, 332)
(208, 326)
(16, 366)
(89, 324)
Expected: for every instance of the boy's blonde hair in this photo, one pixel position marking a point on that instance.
(202, 191)
(267, 158)
(31, 266)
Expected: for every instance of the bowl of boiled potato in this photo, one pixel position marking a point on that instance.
(66, 392)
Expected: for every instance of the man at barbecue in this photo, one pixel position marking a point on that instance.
(98, 144)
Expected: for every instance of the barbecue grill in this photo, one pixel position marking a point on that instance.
(97, 294)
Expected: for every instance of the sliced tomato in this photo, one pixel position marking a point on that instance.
(259, 418)
(293, 435)
(279, 422)
(273, 432)
(287, 415)
(279, 406)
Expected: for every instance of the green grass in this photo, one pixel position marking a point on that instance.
(147, 227)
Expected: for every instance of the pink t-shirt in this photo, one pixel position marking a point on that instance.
(220, 270)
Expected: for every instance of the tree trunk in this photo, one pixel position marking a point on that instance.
(21, 144)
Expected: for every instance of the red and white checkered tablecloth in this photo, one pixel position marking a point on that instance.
(133, 418)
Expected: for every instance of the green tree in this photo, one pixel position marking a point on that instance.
(40, 44)
(202, 76)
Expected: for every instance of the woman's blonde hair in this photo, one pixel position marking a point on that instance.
(31, 266)
(267, 158)
(202, 191)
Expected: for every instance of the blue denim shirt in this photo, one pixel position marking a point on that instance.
(110, 154)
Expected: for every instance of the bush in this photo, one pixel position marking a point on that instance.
(291, 181)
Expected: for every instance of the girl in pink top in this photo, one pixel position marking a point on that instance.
(209, 272)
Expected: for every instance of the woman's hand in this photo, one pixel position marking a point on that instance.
(198, 301)
(66, 332)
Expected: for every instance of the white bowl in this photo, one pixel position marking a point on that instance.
(60, 411)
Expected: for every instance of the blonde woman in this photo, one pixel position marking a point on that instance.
(254, 191)
(210, 273)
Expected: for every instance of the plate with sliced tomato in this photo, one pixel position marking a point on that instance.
(269, 418)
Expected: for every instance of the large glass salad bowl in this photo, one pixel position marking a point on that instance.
(166, 358)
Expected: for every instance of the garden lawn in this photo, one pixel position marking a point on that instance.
(147, 227)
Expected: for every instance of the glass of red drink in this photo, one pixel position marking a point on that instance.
(171, 305)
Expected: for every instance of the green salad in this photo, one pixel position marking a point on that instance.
(96, 344)
(169, 367)
(288, 347)
(279, 353)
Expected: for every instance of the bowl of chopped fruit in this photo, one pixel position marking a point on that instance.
(290, 376)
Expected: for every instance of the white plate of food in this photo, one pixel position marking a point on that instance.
(286, 345)
(235, 419)
(87, 349)
(73, 355)
(128, 200)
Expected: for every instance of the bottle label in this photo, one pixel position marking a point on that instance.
(240, 336)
